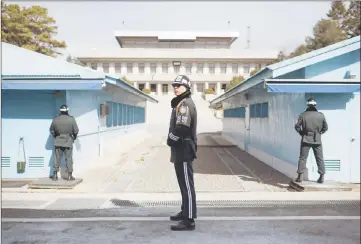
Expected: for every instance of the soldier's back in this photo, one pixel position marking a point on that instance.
(313, 121)
(63, 124)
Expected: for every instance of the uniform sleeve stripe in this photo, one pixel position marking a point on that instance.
(173, 137)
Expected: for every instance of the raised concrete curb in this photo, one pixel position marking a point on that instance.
(201, 196)
(307, 186)
(54, 201)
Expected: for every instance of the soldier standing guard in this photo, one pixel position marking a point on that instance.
(65, 130)
(182, 139)
(311, 124)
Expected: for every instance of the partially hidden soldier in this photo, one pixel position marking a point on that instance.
(311, 124)
(182, 139)
(64, 130)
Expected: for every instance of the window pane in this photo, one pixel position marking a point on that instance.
(109, 118)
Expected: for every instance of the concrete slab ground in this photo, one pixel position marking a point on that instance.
(220, 167)
(47, 183)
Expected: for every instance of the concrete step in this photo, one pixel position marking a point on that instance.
(314, 186)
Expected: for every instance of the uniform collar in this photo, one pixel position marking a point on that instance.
(175, 101)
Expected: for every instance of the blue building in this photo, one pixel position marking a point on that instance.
(260, 113)
(107, 109)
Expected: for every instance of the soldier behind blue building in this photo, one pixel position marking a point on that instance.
(182, 139)
(64, 130)
(311, 124)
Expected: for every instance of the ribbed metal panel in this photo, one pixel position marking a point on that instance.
(36, 162)
(333, 165)
(5, 162)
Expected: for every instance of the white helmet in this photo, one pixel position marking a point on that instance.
(64, 108)
(311, 102)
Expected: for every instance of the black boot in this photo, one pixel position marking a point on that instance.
(177, 217)
(185, 224)
(70, 176)
(321, 179)
(55, 176)
(299, 178)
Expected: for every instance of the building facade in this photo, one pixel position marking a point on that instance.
(34, 86)
(152, 59)
(260, 113)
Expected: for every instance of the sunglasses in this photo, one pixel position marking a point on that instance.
(176, 85)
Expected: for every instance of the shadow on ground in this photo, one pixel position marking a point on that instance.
(217, 156)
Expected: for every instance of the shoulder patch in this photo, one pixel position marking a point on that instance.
(182, 110)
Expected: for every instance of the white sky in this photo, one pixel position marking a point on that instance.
(274, 25)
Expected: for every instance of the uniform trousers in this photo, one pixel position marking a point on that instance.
(68, 153)
(317, 151)
(184, 172)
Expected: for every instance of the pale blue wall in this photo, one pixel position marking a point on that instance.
(276, 136)
(334, 68)
(84, 107)
(29, 114)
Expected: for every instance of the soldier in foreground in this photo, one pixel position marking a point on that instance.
(311, 124)
(64, 130)
(182, 139)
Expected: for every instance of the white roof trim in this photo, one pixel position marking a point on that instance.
(187, 35)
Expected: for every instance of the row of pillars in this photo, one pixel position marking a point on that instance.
(159, 87)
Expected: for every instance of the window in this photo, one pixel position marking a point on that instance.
(165, 88)
(124, 114)
(165, 68)
(223, 68)
(200, 68)
(141, 86)
(106, 67)
(129, 68)
(153, 68)
(115, 114)
(176, 69)
(212, 68)
(223, 86)
(94, 66)
(212, 86)
(246, 68)
(120, 114)
(235, 113)
(259, 110)
(235, 68)
(141, 68)
(200, 87)
(188, 68)
(153, 87)
(118, 67)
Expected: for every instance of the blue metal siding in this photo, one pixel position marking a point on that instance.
(297, 74)
(28, 114)
(124, 114)
(336, 67)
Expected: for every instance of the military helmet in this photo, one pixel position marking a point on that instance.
(182, 80)
(64, 108)
(311, 102)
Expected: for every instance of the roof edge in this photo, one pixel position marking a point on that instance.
(130, 87)
(231, 92)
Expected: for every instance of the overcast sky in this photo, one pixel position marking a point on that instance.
(274, 25)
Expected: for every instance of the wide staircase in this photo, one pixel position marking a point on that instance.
(158, 116)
